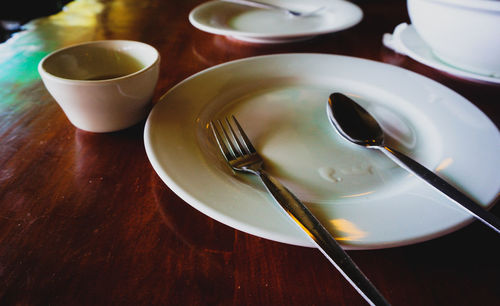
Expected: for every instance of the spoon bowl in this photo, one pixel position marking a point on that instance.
(353, 122)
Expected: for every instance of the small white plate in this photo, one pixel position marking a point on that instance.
(273, 26)
(360, 195)
(405, 40)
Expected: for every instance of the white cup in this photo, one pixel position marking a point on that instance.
(102, 86)
(462, 33)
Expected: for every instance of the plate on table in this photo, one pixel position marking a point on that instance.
(360, 195)
(406, 40)
(261, 25)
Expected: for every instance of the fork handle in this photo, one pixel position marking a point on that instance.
(303, 217)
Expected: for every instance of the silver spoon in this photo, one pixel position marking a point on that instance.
(267, 5)
(356, 125)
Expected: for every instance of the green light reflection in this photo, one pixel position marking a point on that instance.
(20, 55)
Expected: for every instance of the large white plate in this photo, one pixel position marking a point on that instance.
(364, 199)
(406, 40)
(273, 26)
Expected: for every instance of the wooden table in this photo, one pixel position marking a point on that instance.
(84, 219)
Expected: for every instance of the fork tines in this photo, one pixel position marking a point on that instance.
(231, 138)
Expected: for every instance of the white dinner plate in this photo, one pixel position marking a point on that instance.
(406, 40)
(260, 25)
(361, 196)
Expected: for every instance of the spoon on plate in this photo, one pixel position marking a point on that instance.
(355, 124)
(268, 5)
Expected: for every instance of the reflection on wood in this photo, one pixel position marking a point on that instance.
(84, 219)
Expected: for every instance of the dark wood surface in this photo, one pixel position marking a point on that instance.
(84, 219)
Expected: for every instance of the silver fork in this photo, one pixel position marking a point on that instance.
(242, 156)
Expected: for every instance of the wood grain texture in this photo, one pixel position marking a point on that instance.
(84, 219)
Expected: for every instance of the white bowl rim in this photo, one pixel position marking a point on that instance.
(488, 5)
(47, 74)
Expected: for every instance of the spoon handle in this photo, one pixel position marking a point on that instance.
(258, 4)
(430, 177)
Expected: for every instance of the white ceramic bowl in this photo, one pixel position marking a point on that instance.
(102, 86)
(463, 33)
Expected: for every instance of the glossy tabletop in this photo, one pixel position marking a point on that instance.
(84, 218)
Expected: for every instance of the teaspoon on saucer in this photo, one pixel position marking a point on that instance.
(267, 5)
(355, 124)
